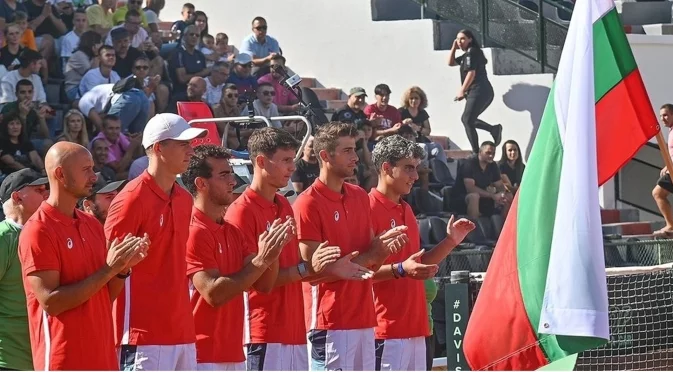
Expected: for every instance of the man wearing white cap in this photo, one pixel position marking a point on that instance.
(154, 327)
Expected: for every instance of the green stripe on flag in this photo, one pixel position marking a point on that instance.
(613, 59)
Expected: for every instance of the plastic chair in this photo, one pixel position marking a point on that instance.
(200, 110)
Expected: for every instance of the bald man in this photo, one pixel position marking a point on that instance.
(69, 276)
(196, 88)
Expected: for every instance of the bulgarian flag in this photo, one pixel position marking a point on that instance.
(544, 296)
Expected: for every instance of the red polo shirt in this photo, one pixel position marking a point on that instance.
(159, 312)
(276, 317)
(398, 316)
(219, 331)
(341, 219)
(80, 338)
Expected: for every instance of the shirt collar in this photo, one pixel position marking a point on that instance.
(154, 186)
(254, 197)
(14, 223)
(57, 215)
(387, 203)
(205, 220)
(325, 191)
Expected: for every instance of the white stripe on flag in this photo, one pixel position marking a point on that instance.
(575, 301)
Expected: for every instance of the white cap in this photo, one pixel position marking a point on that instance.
(169, 126)
(243, 59)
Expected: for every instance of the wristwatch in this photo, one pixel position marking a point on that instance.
(303, 270)
(124, 276)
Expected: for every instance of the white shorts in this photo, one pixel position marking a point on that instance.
(221, 366)
(276, 357)
(343, 350)
(158, 357)
(401, 354)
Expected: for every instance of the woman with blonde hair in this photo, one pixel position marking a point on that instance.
(412, 110)
(74, 128)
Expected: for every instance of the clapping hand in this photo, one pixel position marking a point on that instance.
(456, 231)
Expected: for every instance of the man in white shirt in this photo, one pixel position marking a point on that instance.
(132, 107)
(70, 41)
(219, 74)
(264, 105)
(132, 23)
(30, 63)
(103, 74)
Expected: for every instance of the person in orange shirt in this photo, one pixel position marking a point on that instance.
(221, 264)
(276, 334)
(69, 276)
(339, 313)
(154, 326)
(403, 325)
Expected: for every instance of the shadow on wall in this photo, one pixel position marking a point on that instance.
(531, 98)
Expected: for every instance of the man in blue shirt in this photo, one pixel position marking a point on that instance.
(260, 46)
(187, 62)
(242, 77)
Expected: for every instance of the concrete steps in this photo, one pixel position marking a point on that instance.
(626, 223)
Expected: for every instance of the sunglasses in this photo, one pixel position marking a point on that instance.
(142, 68)
(232, 95)
(269, 93)
(193, 34)
(261, 28)
(247, 65)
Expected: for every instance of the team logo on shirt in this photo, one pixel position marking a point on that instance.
(69, 243)
(336, 216)
(161, 220)
(392, 223)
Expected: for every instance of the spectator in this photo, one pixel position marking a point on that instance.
(16, 152)
(83, 59)
(307, 169)
(664, 185)
(366, 173)
(137, 34)
(366, 128)
(119, 15)
(7, 10)
(412, 111)
(100, 15)
(196, 88)
(511, 166)
(103, 74)
(121, 148)
(138, 167)
(9, 54)
(286, 101)
(352, 111)
(219, 74)
(424, 167)
(385, 119)
(479, 190)
(127, 54)
(264, 105)
(99, 201)
(34, 124)
(30, 62)
(100, 150)
(131, 107)
(74, 129)
(66, 11)
(70, 41)
(27, 39)
(152, 10)
(187, 18)
(227, 52)
(260, 46)
(186, 63)
(226, 108)
(48, 26)
(207, 47)
(242, 75)
(82, 4)
(22, 192)
(156, 92)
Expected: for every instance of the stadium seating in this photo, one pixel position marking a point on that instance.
(200, 110)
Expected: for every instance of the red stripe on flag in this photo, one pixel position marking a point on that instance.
(624, 122)
(499, 335)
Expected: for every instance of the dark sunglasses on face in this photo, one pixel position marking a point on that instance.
(232, 95)
(261, 28)
(193, 34)
(269, 93)
(247, 65)
(143, 68)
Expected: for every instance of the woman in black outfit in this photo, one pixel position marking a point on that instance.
(476, 89)
(511, 165)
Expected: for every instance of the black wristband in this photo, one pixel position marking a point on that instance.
(124, 276)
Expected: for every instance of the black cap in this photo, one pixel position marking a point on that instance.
(17, 180)
(103, 187)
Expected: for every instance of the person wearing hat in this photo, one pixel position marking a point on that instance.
(353, 111)
(159, 335)
(242, 76)
(102, 194)
(21, 194)
(186, 62)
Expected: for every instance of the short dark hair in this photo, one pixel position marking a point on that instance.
(258, 18)
(382, 90)
(141, 58)
(109, 117)
(219, 64)
(667, 106)
(328, 135)
(278, 57)
(392, 149)
(23, 83)
(188, 6)
(105, 47)
(131, 13)
(267, 141)
(28, 56)
(198, 164)
(265, 84)
(230, 86)
(486, 143)
(207, 36)
(95, 140)
(405, 129)
(79, 11)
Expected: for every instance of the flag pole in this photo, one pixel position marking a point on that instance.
(663, 149)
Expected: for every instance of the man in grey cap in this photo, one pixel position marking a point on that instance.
(353, 111)
(22, 192)
(102, 193)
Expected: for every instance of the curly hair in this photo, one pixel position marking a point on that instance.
(198, 164)
(394, 148)
(417, 90)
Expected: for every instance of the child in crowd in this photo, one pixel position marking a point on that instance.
(27, 35)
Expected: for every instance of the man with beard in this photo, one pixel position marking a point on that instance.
(102, 194)
(403, 325)
(69, 277)
(196, 88)
(221, 263)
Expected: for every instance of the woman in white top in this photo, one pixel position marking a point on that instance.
(83, 59)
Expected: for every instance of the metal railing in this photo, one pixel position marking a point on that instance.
(509, 24)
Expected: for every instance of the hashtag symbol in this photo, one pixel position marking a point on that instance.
(456, 304)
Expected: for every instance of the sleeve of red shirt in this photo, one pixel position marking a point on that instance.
(308, 226)
(236, 217)
(37, 251)
(397, 118)
(200, 250)
(123, 217)
(368, 110)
